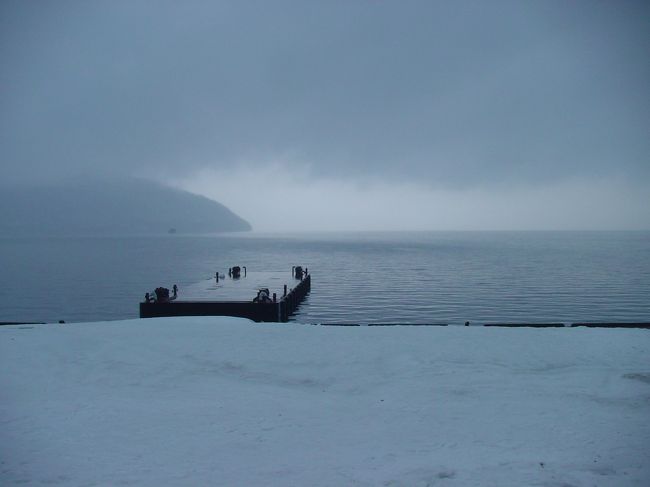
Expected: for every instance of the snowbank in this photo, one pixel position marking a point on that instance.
(223, 401)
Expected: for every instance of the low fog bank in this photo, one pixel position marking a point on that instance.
(115, 207)
(284, 197)
(422, 115)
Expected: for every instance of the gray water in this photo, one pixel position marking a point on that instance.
(438, 277)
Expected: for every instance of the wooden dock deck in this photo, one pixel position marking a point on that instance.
(231, 296)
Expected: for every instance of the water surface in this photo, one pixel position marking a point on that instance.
(422, 277)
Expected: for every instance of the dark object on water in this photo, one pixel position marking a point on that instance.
(263, 296)
(2, 323)
(298, 272)
(381, 324)
(172, 231)
(261, 309)
(162, 295)
(527, 325)
(573, 325)
(408, 324)
(235, 272)
(613, 325)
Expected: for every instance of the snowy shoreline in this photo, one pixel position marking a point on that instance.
(224, 401)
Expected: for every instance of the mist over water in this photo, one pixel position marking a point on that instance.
(423, 277)
(418, 115)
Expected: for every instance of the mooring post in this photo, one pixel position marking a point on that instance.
(217, 276)
(285, 289)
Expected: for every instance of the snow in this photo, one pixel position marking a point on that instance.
(224, 401)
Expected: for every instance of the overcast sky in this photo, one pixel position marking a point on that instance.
(341, 114)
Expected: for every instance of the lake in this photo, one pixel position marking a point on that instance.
(418, 277)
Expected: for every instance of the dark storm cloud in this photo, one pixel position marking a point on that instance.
(448, 93)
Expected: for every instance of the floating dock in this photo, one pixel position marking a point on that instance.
(249, 296)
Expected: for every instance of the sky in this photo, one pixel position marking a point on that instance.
(341, 115)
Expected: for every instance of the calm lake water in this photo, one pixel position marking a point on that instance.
(438, 277)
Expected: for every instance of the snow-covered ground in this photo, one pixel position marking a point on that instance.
(223, 401)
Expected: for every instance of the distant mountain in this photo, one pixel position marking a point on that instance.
(112, 208)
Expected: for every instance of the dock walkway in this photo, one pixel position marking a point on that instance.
(229, 296)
